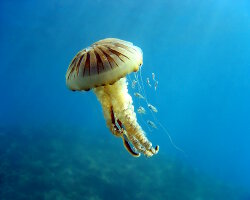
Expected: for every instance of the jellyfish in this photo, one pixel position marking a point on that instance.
(102, 68)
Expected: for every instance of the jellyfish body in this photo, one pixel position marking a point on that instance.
(103, 67)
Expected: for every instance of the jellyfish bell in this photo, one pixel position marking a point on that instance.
(103, 67)
(103, 63)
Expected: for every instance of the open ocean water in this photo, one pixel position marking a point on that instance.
(54, 143)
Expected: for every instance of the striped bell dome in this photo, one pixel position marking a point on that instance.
(103, 63)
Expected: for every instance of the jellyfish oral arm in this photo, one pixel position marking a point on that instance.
(121, 119)
(105, 100)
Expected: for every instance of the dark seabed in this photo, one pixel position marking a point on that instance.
(59, 163)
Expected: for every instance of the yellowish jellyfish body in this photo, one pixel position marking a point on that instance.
(103, 67)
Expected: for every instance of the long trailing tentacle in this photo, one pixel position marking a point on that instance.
(121, 118)
(128, 147)
(136, 135)
(107, 108)
(124, 111)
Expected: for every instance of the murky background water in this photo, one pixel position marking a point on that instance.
(54, 143)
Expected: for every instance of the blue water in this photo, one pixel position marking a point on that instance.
(199, 51)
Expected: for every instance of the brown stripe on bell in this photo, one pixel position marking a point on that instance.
(93, 63)
(120, 49)
(118, 53)
(105, 66)
(112, 58)
(99, 63)
(79, 63)
(86, 66)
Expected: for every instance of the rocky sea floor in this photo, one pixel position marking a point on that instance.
(58, 163)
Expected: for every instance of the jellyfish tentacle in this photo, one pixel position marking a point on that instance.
(124, 110)
(121, 118)
(116, 124)
(137, 136)
(139, 147)
(128, 147)
(135, 129)
(107, 108)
